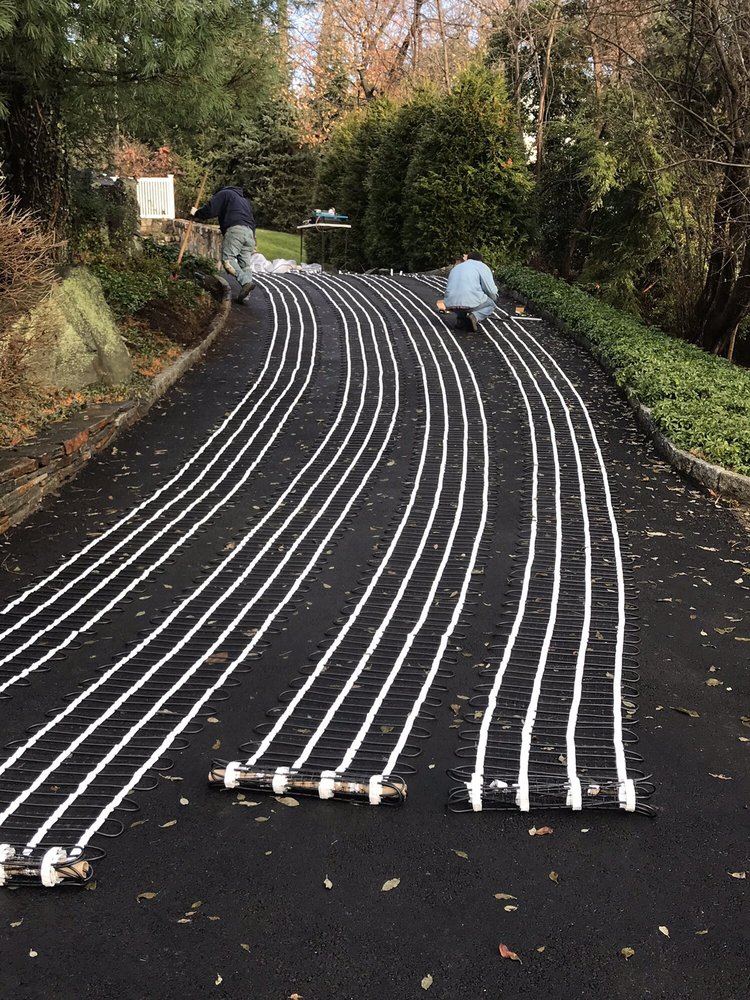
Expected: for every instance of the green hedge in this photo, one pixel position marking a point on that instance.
(702, 403)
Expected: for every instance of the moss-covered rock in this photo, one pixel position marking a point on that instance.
(76, 339)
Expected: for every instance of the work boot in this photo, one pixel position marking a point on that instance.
(245, 291)
(471, 322)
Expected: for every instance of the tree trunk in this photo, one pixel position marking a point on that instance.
(444, 43)
(32, 139)
(544, 86)
(725, 298)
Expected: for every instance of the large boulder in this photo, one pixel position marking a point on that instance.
(76, 339)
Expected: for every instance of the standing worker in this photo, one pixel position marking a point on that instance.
(237, 223)
(471, 292)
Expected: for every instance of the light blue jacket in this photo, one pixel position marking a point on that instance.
(470, 284)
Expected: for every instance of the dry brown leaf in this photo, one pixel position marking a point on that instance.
(261, 819)
(687, 711)
(541, 948)
(664, 930)
(218, 981)
(390, 884)
(170, 822)
(460, 854)
(184, 801)
(218, 657)
(701, 933)
(216, 745)
(540, 831)
(510, 908)
(327, 883)
(721, 777)
(505, 952)
(504, 895)
(286, 800)
(427, 982)
(146, 895)
(212, 719)
(554, 877)
(32, 953)
(738, 874)
(627, 953)
(245, 947)
(713, 682)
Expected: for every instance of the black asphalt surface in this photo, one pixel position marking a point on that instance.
(241, 909)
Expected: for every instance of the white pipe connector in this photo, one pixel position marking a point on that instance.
(376, 789)
(6, 853)
(49, 874)
(325, 787)
(231, 774)
(280, 781)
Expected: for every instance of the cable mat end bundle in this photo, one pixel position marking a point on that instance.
(375, 789)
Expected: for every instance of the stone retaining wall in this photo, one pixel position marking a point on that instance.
(34, 470)
(205, 241)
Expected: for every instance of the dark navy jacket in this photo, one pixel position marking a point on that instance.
(230, 207)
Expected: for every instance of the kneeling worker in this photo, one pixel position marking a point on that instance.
(237, 223)
(471, 292)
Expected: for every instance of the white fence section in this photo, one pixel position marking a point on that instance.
(156, 197)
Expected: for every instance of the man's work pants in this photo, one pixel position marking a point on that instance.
(237, 248)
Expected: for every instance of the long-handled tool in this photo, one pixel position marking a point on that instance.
(188, 230)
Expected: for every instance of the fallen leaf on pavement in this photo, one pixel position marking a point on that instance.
(541, 831)
(541, 948)
(17, 923)
(505, 952)
(713, 682)
(390, 884)
(627, 953)
(701, 933)
(664, 930)
(170, 822)
(510, 908)
(738, 874)
(184, 801)
(687, 711)
(427, 982)
(460, 854)
(327, 883)
(554, 877)
(146, 895)
(721, 777)
(287, 800)
(32, 953)
(504, 895)
(218, 981)
(245, 947)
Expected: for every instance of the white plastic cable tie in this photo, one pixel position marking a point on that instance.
(627, 795)
(376, 789)
(49, 874)
(575, 795)
(280, 782)
(475, 791)
(522, 797)
(6, 853)
(231, 774)
(325, 787)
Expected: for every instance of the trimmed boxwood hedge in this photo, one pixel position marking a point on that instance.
(702, 403)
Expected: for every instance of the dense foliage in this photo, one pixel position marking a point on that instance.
(430, 179)
(701, 402)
